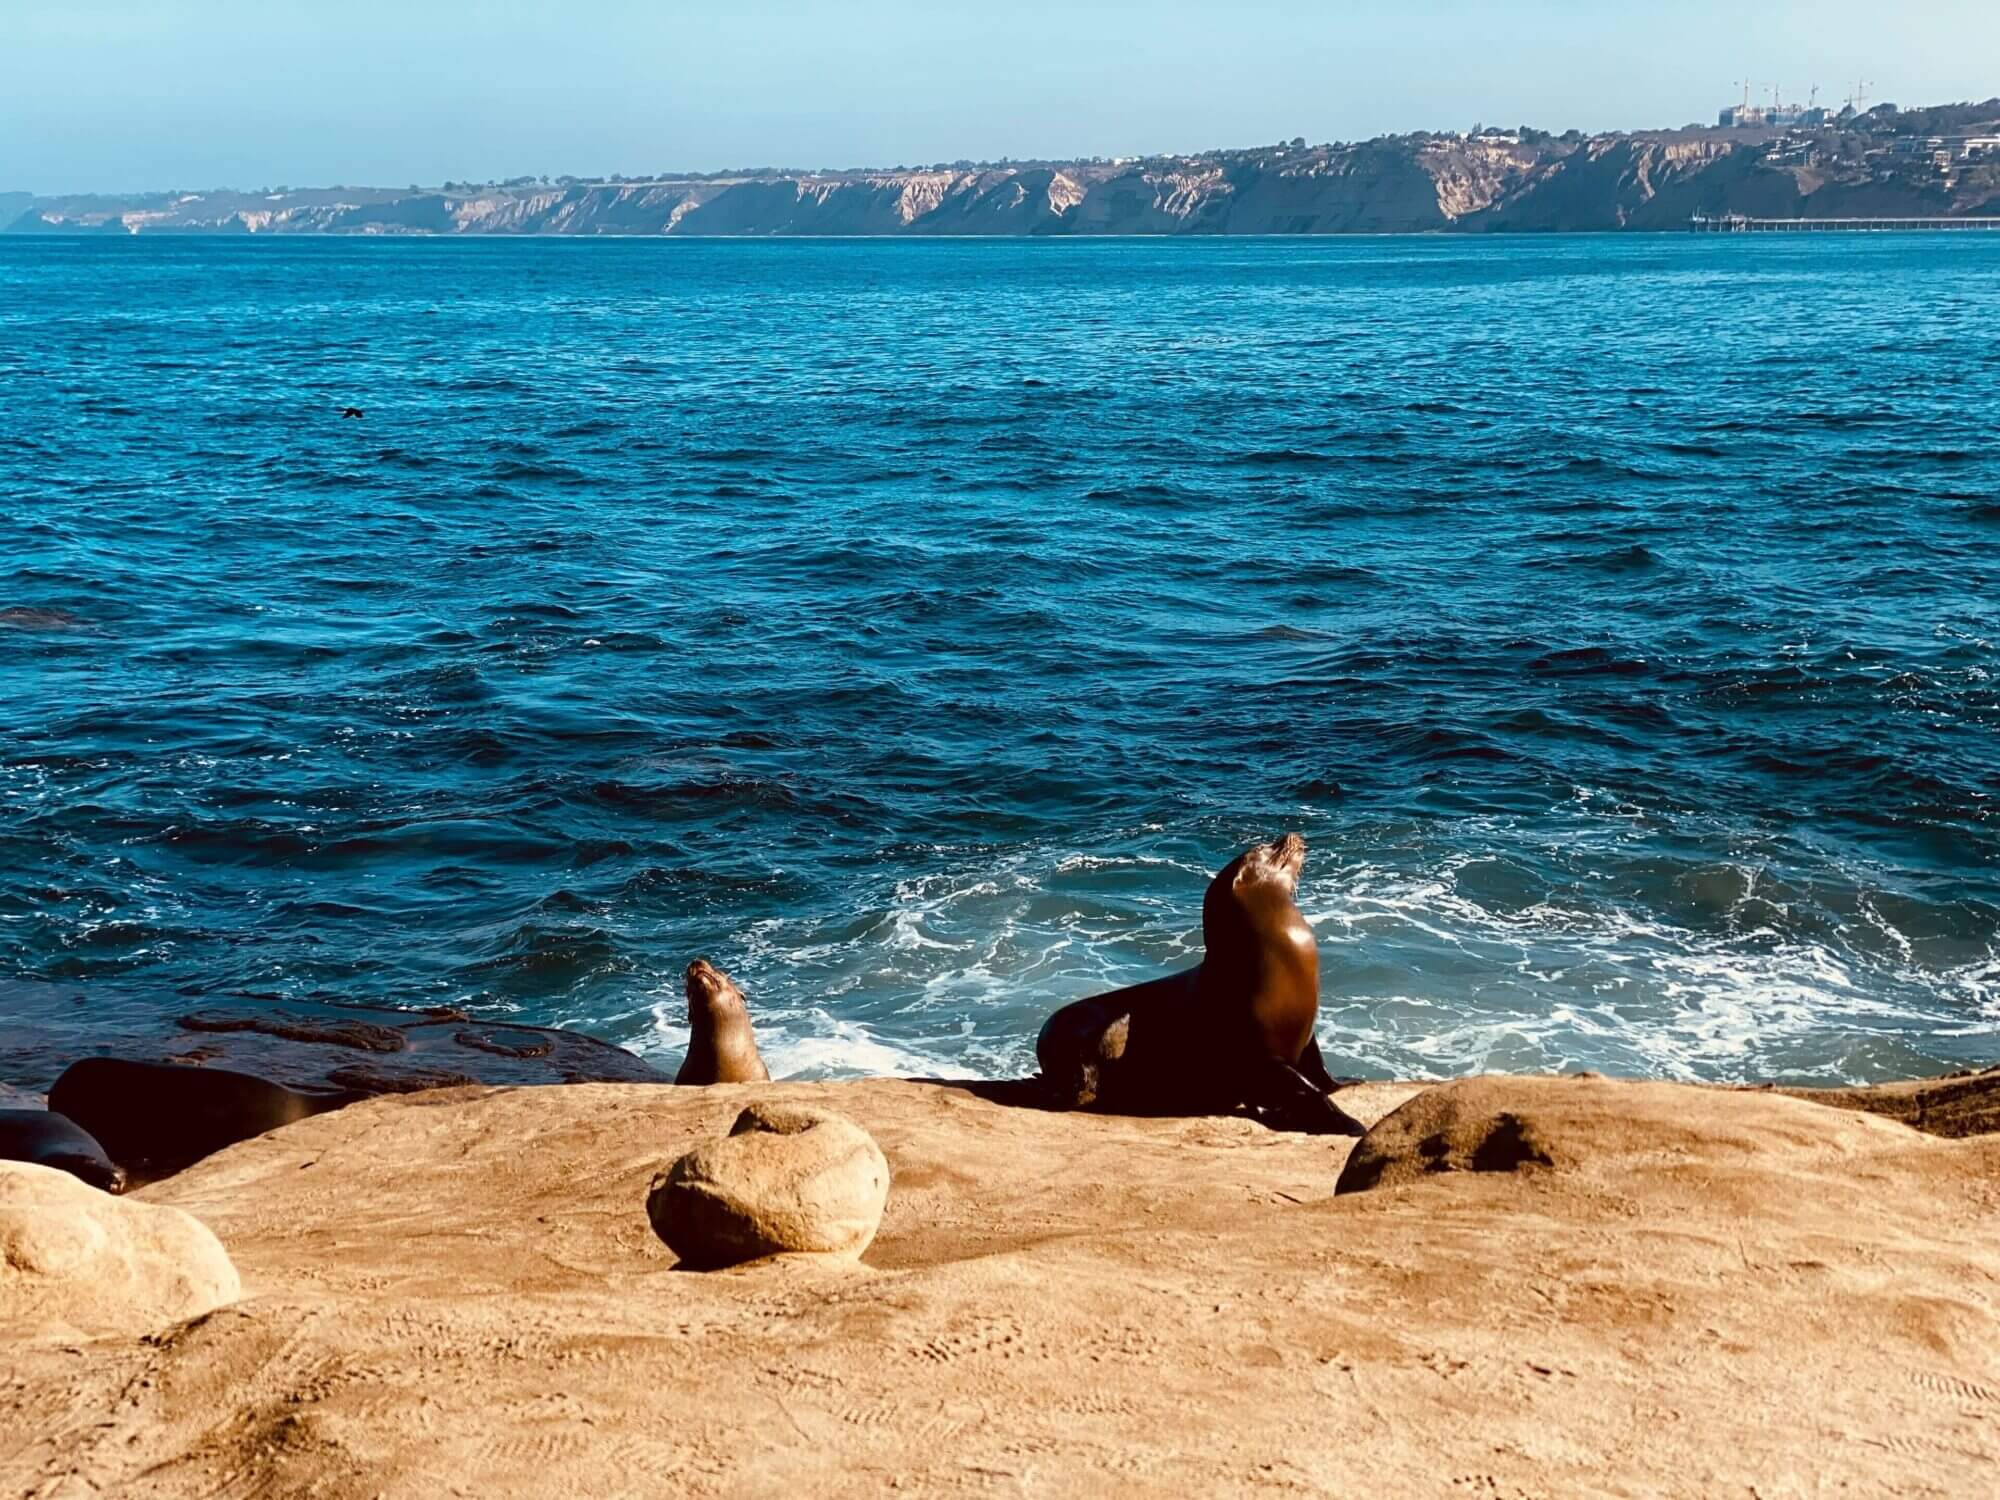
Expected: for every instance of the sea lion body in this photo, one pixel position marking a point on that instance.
(721, 1048)
(49, 1139)
(155, 1118)
(1235, 1030)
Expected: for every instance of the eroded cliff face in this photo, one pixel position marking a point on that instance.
(1634, 183)
(1623, 183)
(1402, 184)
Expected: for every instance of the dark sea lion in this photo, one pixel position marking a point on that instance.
(21, 617)
(722, 1049)
(51, 1140)
(1235, 1031)
(155, 1118)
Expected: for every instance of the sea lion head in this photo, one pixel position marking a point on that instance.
(712, 995)
(93, 1169)
(1262, 879)
(1279, 861)
(50, 1138)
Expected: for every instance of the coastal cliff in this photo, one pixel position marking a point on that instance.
(1882, 164)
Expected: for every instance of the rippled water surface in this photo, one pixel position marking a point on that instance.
(911, 627)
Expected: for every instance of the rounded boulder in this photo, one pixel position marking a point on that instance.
(787, 1179)
(74, 1257)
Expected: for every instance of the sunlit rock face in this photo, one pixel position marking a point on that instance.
(1491, 180)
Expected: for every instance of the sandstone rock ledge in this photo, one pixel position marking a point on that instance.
(73, 1258)
(1643, 1289)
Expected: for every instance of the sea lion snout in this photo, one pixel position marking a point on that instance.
(706, 983)
(107, 1176)
(1282, 858)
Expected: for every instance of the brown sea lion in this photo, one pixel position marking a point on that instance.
(52, 1140)
(155, 1118)
(1234, 1031)
(722, 1049)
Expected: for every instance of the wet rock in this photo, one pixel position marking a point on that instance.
(787, 1178)
(73, 1257)
(162, 1087)
(296, 1044)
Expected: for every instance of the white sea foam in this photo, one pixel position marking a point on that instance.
(820, 1045)
(1564, 986)
(1599, 954)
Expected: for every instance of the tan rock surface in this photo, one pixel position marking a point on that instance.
(459, 1294)
(786, 1179)
(1614, 1132)
(1960, 1104)
(75, 1259)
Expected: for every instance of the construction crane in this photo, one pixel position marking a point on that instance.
(1859, 96)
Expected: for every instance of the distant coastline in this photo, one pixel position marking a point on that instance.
(1935, 163)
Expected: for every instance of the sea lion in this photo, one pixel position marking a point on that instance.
(22, 617)
(155, 1118)
(722, 1048)
(52, 1140)
(1235, 1030)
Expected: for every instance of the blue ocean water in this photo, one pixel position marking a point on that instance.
(910, 627)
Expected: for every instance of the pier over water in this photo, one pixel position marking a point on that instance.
(1745, 224)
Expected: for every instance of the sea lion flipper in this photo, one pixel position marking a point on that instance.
(1080, 1048)
(1313, 1066)
(1298, 1104)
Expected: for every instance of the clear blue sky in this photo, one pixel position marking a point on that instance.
(125, 94)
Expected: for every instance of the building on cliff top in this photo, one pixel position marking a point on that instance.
(1753, 116)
